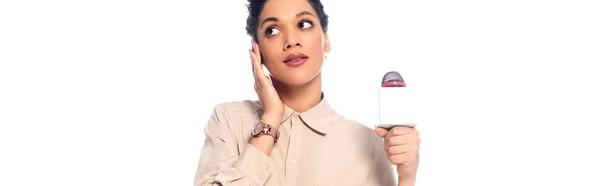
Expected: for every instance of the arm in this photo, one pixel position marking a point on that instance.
(221, 163)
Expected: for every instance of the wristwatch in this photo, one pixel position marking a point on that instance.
(262, 128)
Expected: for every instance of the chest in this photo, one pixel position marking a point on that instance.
(306, 157)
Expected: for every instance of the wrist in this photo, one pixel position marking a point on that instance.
(406, 181)
(273, 121)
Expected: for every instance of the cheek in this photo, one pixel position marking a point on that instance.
(268, 54)
(315, 42)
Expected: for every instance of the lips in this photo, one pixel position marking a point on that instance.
(295, 57)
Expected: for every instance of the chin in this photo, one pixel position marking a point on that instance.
(297, 78)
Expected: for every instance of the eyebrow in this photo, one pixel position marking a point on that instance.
(304, 13)
(273, 19)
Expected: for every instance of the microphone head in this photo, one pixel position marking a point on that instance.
(392, 79)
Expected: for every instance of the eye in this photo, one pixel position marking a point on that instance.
(305, 24)
(271, 31)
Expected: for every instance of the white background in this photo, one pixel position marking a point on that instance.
(116, 92)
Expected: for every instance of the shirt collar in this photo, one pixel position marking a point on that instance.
(318, 118)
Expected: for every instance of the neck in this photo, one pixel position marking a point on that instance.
(300, 97)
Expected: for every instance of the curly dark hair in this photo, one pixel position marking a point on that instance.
(255, 7)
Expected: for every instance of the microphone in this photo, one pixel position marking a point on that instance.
(396, 104)
(392, 79)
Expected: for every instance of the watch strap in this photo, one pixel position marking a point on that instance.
(268, 130)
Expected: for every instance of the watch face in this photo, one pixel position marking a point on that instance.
(257, 128)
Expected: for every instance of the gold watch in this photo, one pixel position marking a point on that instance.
(262, 128)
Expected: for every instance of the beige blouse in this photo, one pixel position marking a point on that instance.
(317, 147)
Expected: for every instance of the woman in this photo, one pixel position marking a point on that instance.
(291, 136)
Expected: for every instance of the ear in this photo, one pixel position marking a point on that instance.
(327, 44)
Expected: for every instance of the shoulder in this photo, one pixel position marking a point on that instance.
(233, 112)
(243, 106)
(234, 117)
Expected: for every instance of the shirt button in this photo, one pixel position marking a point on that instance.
(293, 161)
(261, 177)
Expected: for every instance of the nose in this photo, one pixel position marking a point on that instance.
(291, 42)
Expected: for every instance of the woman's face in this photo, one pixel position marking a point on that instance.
(291, 41)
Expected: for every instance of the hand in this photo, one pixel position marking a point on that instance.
(272, 104)
(402, 147)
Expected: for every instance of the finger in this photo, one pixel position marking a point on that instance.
(255, 86)
(250, 52)
(398, 159)
(401, 130)
(401, 149)
(403, 139)
(260, 74)
(380, 132)
(269, 79)
(412, 138)
(406, 159)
